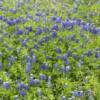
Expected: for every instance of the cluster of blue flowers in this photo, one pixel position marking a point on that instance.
(47, 53)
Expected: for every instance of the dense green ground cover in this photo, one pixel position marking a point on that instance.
(49, 50)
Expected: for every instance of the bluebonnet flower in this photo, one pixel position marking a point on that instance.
(13, 11)
(29, 28)
(31, 80)
(63, 98)
(28, 58)
(38, 14)
(58, 57)
(1, 65)
(75, 56)
(21, 85)
(68, 24)
(12, 59)
(58, 20)
(42, 14)
(69, 53)
(1, 1)
(75, 9)
(45, 66)
(98, 30)
(66, 69)
(64, 57)
(34, 81)
(97, 49)
(39, 31)
(63, 25)
(14, 21)
(55, 27)
(1, 17)
(79, 22)
(26, 87)
(32, 52)
(37, 18)
(1, 81)
(54, 34)
(77, 40)
(67, 62)
(73, 36)
(95, 30)
(46, 38)
(53, 18)
(46, 30)
(23, 20)
(36, 46)
(85, 26)
(56, 65)
(18, 5)
(10, 22)
(43, 77)
(45, 19)
(97, 54)
(28, 67)
(7, 85)
(71, 24)
(78, 93)
(17, 27)
(58, 50)
(40, 42)
(17, 20)
(23, 93)
(29, 16)
(28, 1)
(20, 31)
(47, 57)
(89, 53)
(24, 43)
(34, 58)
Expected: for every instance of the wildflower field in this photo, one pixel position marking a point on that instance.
(49, 49)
